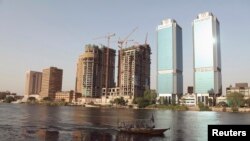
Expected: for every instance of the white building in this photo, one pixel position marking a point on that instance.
(188, 99)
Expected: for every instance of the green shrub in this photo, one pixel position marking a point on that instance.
(202, 107)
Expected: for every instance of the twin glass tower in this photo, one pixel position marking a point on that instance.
(206, 58)
(169, 58)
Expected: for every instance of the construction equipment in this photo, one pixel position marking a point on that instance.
(108, 36)
(126, 42)
(121, 42)
(146, 38)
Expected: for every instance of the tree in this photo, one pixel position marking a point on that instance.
(120, 101)
(111, 102)
(222, 104)
(142, 102)
(202, 107)
(47, 99)
(150, 96)
(247, 102)
(235, 99)
(9, 99)
(2, 96)
(31, 99)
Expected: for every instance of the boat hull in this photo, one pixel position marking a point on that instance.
(147, 131)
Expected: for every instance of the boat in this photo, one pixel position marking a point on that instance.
(146, 127)
(147, 131)
(91, 105)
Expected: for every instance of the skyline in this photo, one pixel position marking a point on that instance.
(37, 35)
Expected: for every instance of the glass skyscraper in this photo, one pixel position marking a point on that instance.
(207, 57)
(169, 60)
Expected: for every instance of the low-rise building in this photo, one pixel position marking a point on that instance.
(189, 99)
(221, 99)
(108, 95)
(66, 96)
(242, 88)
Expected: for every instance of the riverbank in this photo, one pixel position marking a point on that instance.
(196, 108)
(229, 109)
(154, 107)
(168, 107)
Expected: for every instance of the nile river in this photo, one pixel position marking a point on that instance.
(21, 122)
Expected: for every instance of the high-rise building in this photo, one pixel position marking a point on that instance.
(134, 70)
(95, 70)
(207, 57)
(33, 82)
(169, 61)
(79, 74)
(92, 61)
(108, 68)
(51, 82)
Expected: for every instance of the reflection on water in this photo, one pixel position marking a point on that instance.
(83, 135)
(90, 136)
(47, 135)
(20, 122)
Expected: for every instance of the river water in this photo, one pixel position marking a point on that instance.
(22, 122)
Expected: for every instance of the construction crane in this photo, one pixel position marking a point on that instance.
(108, 36)
(146, 38)
(121, 42)
(126, 43)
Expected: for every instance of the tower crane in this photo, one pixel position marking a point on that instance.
(121, 42)
(146, 38)
(108, 36)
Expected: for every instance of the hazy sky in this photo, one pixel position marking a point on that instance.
(38, 34)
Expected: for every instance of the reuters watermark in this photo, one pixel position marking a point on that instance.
(221, 132)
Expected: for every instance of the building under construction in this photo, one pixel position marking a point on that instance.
(108, 67)
(95, 70)
(134, 70)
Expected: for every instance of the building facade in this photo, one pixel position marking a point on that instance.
(207, 57)
(134, 70)
(108, 68)
(169, 60)
(79, 74)
(66, 96)
(95, 70)
(189, 98)
(92, 71)
(33, 83)
(241, 88)
(51, 82)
